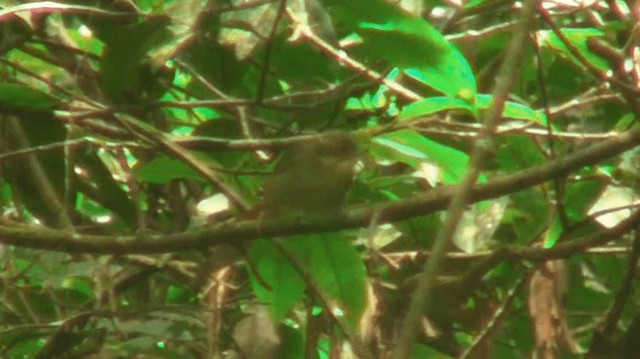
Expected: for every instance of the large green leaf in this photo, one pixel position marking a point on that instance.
(21, 98)
(518, 152)
(218, 65)
(578, 38)
(338, 269)
(413, 148)
(164, 169)
(112, 194)
(285, 285)
(420, 351)
(292, 346)
(580, 196)
(302, 63)
(39, 129)
(527, 216)
(123, 75)
(432, 105)
(410, 43)
(332, 262)
(514, 110)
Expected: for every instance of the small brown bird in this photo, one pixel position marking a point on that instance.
(312, 177)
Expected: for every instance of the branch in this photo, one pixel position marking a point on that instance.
(303, 31)
(480, 155)
(497, 317)
(236, 232)
(185, 156)
(624, 293)
(39, 181)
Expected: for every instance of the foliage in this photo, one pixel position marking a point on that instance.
(135, 138)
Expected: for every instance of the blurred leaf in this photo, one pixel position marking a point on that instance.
(164, 169)
(553, 233)
(514, 110)
(338, 269)
(518, 152)
(257, 335)
(583, 295)
(578, 38)
(150, 327)
(416, 148)
(286, 285)
(433, 105)
(117, 57)
(420, 351)
(421, 230)
(333, 263)
(38, 129)
(528, 215)
(218, 65)
(292, 345)
(23, 345)
(112, 195)
(411, 43)
(302, 63)
(475, 3)
(138, 344)
(580, 196)
(122, 70)
(15, 97)
(247, 28)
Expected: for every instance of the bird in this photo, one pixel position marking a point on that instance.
(313, 176)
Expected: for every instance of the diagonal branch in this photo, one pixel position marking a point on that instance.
(424, 292)
(236, 232)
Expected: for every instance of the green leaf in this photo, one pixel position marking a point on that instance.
(15, 97)
(579, 196)
(332, 262)
(578, 38)
(122, 74)
(410, 43)
(420, 351)
(337, 268)
(407, 152)
(301, 63)
(528, 215)
(513, 110)
(24, 345)
(113, 196)
(553, 233)
(431, 105)
(39, 129)
(50, 7)
(475, 3)
(164, 169)
(286, 285)
(518, 152)
(292, 346)
(414, 148)
(218, 65)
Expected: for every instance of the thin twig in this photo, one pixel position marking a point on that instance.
(423, 295)
(324, 300)
(626, 288)
(266, 62)
(497, 315)
(157, 137)
(303, 31)
(417, 205)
